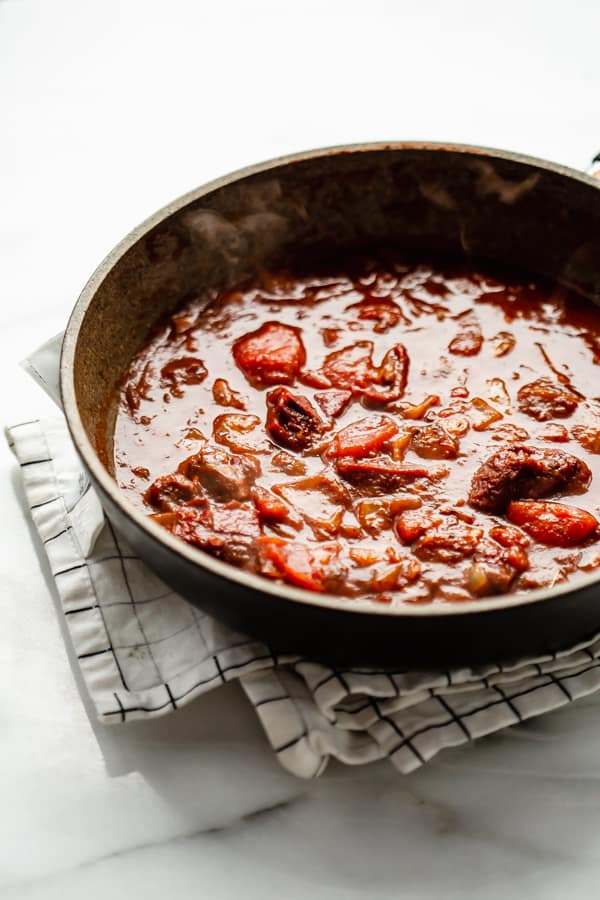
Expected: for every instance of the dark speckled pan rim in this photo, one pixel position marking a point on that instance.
(229, 573)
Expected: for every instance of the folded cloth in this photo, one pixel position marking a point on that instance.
(144, 651)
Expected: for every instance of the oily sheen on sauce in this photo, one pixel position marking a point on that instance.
(397, 430)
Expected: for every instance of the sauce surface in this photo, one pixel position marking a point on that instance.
(396, 431)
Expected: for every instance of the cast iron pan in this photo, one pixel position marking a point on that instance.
(466, 201)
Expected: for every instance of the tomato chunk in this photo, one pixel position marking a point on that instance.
(413, 523)
(270, 508)
(550, 523)
(362, 438)
(305, 566)
(352, 367)
(273, 354)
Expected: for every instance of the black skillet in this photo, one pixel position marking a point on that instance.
(454, 199)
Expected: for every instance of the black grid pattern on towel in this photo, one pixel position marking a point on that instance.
(157, 652)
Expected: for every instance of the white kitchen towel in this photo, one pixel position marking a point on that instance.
(144, 651)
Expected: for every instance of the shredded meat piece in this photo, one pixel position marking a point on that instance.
(520, 471)
(434, 442)
(225, 476)
(292, 420)
(228, 531)
(170, 491)
(449, 542)
(543, 399)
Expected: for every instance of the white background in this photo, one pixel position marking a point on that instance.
(107, 111)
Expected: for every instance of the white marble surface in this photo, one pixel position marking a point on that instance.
(109, 110)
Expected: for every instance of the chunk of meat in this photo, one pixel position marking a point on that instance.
(229, 533)
(292, 420)
(240, 432)
(225, 476)
(313, 567)
(179, 372)
(520, 471)
(224, 395)
(170, 491)
(543, 399)
(552, 523)
(362, 438)
(235, 518)
(351, 368)
(449, 542)
(384, 312)
(333, 403)
(434, 442)
(379, 475)
(390, 378)
(273, 354)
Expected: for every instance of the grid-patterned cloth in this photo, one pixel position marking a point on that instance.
(144, 651)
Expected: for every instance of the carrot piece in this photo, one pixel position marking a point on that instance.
(551, 523)
(363, 437)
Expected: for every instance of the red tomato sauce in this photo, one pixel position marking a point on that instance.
(389, 430)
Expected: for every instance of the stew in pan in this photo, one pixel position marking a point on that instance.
(387, 429)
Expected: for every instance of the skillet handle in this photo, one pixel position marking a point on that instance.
(594, 167)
